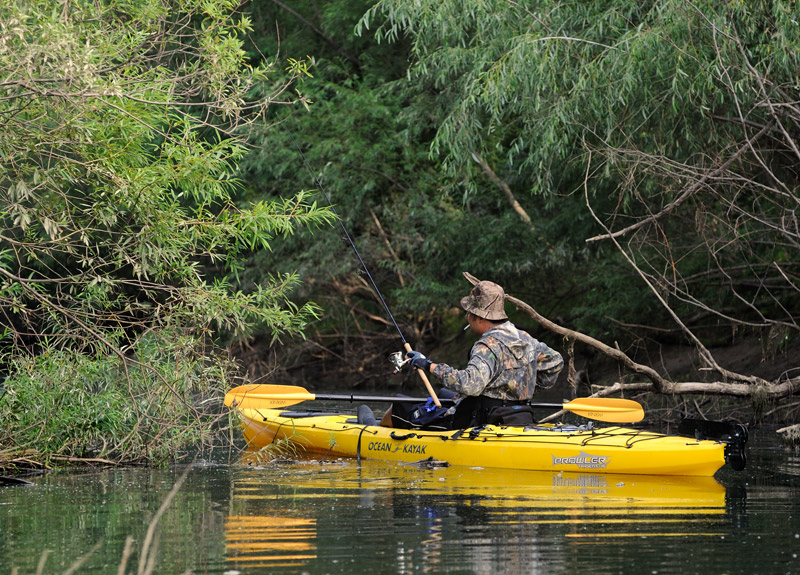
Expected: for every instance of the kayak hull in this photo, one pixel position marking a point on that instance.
(559, 448)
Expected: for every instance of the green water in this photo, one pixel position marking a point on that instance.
(238, 516)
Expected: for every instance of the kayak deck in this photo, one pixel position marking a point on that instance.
(544, 447)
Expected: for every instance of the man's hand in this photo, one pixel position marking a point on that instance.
(419, 361)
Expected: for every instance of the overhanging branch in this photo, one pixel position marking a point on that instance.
(746, 387)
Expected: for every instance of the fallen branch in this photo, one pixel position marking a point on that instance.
(790, 434)
(659, 384)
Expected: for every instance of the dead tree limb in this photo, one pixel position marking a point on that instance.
(685, 194)
(746, 387)
(506, 189)
(702, 350)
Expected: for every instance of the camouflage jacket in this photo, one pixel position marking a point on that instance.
(505, 363)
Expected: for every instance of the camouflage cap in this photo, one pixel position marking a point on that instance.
(486, 300)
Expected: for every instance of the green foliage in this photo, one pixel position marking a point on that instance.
(121, 126)
(366, 139)
(674, 122)
(67, 405)
(114, 187)
(641, 104)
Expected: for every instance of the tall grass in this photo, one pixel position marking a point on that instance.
(162, 399)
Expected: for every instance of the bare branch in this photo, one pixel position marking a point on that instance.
(686, 194)
(504, 187)
(746, 387)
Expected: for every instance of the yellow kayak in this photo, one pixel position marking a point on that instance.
(544, 447)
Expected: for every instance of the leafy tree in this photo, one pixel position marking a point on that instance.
(121, 125)
(349, 142)
(366, 139)
(673, 125)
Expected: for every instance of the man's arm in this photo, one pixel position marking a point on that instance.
(474, 378)
(548, 365)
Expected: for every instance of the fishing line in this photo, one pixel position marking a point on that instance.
(346, 234)
(374, 285)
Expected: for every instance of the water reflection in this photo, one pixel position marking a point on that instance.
(385, 519)
(269, 541)
(303, 514)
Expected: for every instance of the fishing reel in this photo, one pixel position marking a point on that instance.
(399, 361)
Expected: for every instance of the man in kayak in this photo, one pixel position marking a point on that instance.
(505, 367)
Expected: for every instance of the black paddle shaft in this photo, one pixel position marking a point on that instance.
(378, 398)
(402, 399)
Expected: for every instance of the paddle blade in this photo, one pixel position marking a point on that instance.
(606, 409)
(266, 396)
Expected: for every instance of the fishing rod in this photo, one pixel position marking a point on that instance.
(364, 267)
